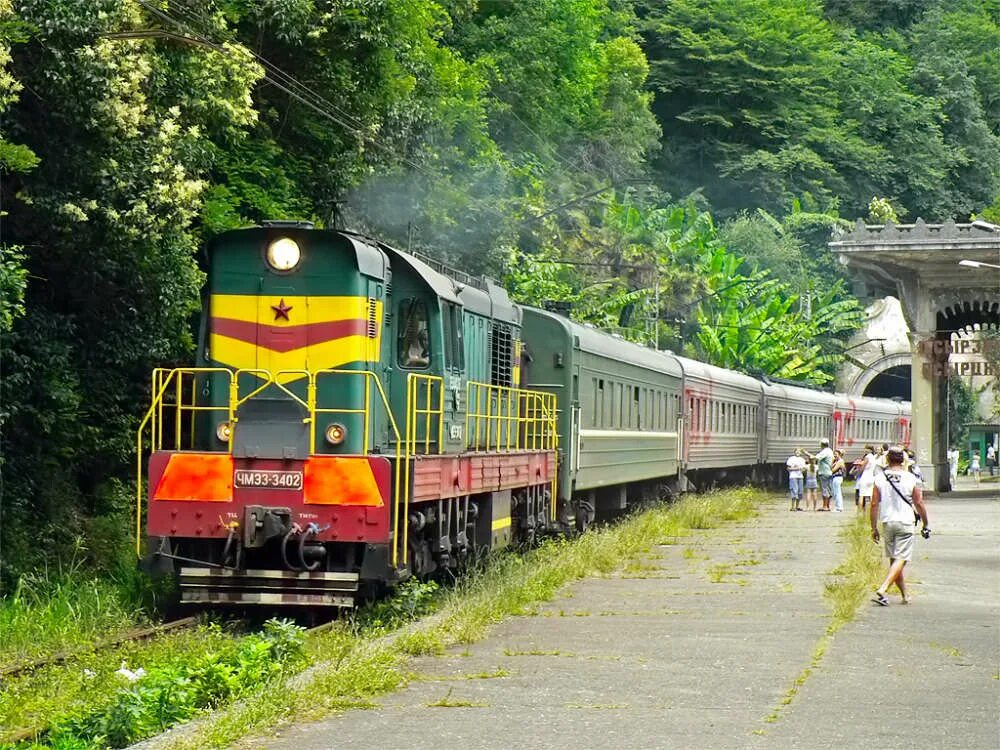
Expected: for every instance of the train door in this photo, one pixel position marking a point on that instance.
(416, 351)
(452, 326)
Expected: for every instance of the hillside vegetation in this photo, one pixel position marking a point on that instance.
(673, 169)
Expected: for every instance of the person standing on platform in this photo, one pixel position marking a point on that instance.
(897, 501)
(824, 472)
(812, 487)
(837, 481)
(991, 459)
(866, 482)
(953, 466)
(795, 465)
(881, 458)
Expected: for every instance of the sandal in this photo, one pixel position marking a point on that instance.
(880, 599)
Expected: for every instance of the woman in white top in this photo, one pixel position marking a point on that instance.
(866, 482)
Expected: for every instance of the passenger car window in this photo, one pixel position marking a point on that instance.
(414, 342)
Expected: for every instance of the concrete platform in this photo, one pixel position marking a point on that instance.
(695, 645)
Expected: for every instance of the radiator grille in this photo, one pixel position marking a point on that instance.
(501, 355)
(372, 319)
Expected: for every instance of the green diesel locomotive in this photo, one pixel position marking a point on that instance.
(355, 417)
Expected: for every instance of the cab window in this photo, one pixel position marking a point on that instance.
(454, 346)
(414, 342)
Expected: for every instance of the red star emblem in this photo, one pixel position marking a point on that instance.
(281, 310)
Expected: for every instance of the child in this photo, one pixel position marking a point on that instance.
(812, 487)
(974, 467)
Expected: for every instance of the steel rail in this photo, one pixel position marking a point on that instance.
(136, 634)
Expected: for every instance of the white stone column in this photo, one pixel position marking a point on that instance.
(927, 383)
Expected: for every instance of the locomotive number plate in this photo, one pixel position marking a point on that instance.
(267, 480)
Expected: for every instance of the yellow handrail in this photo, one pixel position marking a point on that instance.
(510, 419)
(154, 419)
(521, 420)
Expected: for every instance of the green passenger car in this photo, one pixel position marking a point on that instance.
(620, 411)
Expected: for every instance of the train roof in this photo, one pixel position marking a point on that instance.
(476, 294)
(703, 370)
(596, 341)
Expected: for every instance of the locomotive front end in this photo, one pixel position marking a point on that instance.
(270, 477)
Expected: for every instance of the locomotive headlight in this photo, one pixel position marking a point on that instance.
(223, 432)
(336, 433)
(283, 254)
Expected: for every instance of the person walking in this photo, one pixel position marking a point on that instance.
(974, 469)
(991, 459)
(824, 472)
(866, 482)
(837, 480)
(897, 500)
(795, 465)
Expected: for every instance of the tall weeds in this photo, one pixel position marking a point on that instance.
(55, 611)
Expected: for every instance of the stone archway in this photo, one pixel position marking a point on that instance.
(878, 368)
(920, 264)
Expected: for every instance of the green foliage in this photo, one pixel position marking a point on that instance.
(60, 609)
(765, 101)
(880, 211)
(409, 601)
(751, 322)
(175, 691)
(108, 214)
(13, 281)
(963, 409)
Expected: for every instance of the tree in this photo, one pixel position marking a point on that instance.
(751, 322)
(746, 97)
(108, 220)
(14, 157)
(963, 410)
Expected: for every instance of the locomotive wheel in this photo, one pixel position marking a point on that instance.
(584, 516)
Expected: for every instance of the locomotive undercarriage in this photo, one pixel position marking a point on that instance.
(271, 560)
(448, 535)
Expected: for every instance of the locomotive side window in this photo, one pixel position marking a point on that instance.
(454, 345)
(413, 342)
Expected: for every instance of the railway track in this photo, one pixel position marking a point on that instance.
(136, 634)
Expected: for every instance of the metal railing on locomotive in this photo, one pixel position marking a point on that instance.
(154, 419)
(502, 418)
(420, 397)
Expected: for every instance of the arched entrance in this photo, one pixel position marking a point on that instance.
(891, 383)
(922, 265)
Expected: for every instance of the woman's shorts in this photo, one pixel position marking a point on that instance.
(898, 538)
(811, 483)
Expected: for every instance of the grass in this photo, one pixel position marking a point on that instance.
(184, 673)
(447, 701)
(856, 576)
(949, 650)
(353, 664)
(58, 611)
(39, 698)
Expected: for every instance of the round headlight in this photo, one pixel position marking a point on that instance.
(336, 433)
(283, 254)
(224, 432)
